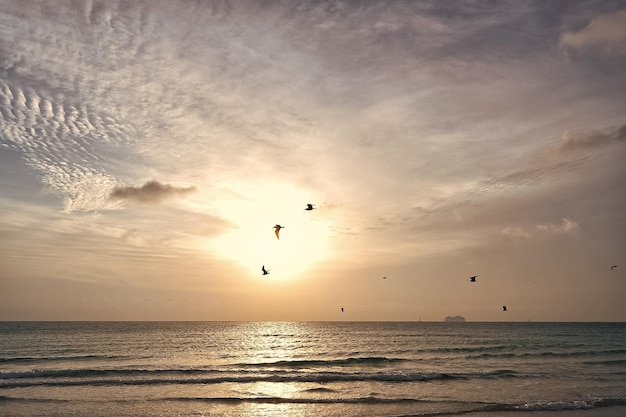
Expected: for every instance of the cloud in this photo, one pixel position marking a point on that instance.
(62, 142)
(551, 162)
(567, 226)
(150, 192)
(133, 236)
(541, 184)
(577, 140)
(607, 31)
(516, 231)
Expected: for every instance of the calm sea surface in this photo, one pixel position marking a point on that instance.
(312, 369)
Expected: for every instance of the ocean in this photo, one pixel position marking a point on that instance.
(312, 369)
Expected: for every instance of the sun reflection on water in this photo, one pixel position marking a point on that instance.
(270, 345)
(271, 342)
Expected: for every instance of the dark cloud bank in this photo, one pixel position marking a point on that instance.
(150, 192)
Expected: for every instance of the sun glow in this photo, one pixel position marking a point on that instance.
(303, 240)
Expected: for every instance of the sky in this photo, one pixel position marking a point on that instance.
(148, 148)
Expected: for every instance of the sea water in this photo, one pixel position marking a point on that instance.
(312, 369)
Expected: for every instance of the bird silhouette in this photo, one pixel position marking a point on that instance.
(384, 277)
(342, 309)
(277, 229)
(265, 271)
(614, 266)
(473, 278)
(503, 308)
(310, 207)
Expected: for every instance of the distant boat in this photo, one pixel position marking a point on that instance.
(455, 319)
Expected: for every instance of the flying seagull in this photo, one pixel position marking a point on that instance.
(614, 266)
(310, 207)
(277, 229)
(265, 271)
(503, 308)
(473, 278)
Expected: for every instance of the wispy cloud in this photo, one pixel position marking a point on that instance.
(150, 192)
(531, 189)
(551, 161)
(567, 226)
(581, 140)
(606, 32)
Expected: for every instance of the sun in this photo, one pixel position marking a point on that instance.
(304, 238)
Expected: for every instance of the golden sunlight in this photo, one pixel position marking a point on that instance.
(303, 239)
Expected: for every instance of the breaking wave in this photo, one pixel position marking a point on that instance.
(115, 377)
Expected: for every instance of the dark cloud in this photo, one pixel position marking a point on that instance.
(574, 141)
(150, 192)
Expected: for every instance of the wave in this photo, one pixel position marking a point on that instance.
(547, 406)
(464, 349)
(607, 362)
(465, 406)
(305, 363)
(110, 377)
(26, 359)
(560, 405)
(4, 398)
(297, 400)
(87, 373)
(458, 407)
(320, 389)
(550, 354)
